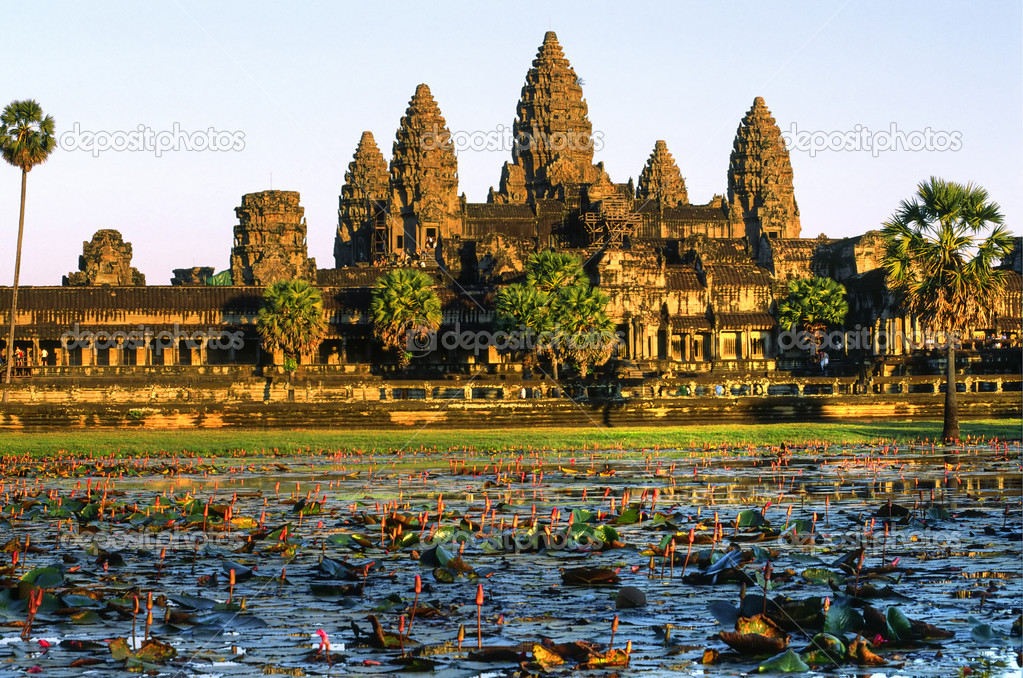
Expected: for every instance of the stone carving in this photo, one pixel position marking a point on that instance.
(270, 240)
(361, 232)
(424, 205)
(105, 260)
(196, 275)
(760, 192)
(552, 132)
(661, 179)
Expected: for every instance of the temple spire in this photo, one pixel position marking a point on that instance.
(364, 190)
(553, 135)
(760, 191)
(661, 179)
(424, 177)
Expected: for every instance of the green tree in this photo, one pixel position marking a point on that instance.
(526, 314)
(291, 320)
(812, 306)
(941, 249)
(560, 315)
(404, 307)
(550, 271)
(26, 140)
(587, 333)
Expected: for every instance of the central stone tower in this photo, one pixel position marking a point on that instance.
(553, 144)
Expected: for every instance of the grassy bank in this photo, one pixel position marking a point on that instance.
(222, 442)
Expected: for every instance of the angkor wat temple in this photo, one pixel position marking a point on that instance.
(692, 287)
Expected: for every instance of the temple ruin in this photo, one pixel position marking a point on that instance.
(693, 287)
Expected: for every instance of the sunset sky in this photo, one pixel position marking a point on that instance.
(292, 87)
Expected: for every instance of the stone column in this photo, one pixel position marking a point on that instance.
(35, 353)
(114, 352)
(88, 351)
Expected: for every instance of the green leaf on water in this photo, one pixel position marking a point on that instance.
(583, 516)
(842, 618)
(786, 662)
(899, 628)
(628, 517)
(751, 518)
(44, 577)
(825, 649)
(822, 575)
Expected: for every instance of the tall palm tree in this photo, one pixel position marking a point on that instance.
(564, 315)
(813, 305)
(26, 140)
(587, 333)
(525, 312)
(404, 307)
(941, 249)
(291, 319)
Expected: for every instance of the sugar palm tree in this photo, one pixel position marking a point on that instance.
(941, 249)
(291, 320)
(26, 140)
(812, 306)
(586, 333)
(526, 313)
(564, 316)
(404, 307)
(550, 271)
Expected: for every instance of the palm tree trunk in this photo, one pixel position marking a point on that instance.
(14, 290)
(950, 431)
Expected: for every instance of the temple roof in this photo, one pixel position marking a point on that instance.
(684, 279)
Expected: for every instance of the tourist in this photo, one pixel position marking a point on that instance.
(824, 362)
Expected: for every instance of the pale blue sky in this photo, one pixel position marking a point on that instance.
(302, 81)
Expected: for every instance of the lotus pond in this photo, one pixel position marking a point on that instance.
(884, 559)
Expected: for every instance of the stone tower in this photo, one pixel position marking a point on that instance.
(553, 144)
(270, 240)
(361, 206)
(661, 179)
(760, 193)
(105, 260)
(424, 204)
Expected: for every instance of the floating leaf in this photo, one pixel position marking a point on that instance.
(545, 658)
(589, 576)
(760, 625)
(822, 575)
(787, 662)
(824, 650)
(44, 577)
(628, 517)
(842, 618)
(751, 518)
(899, 628)
(860, 653)
(753, 643)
